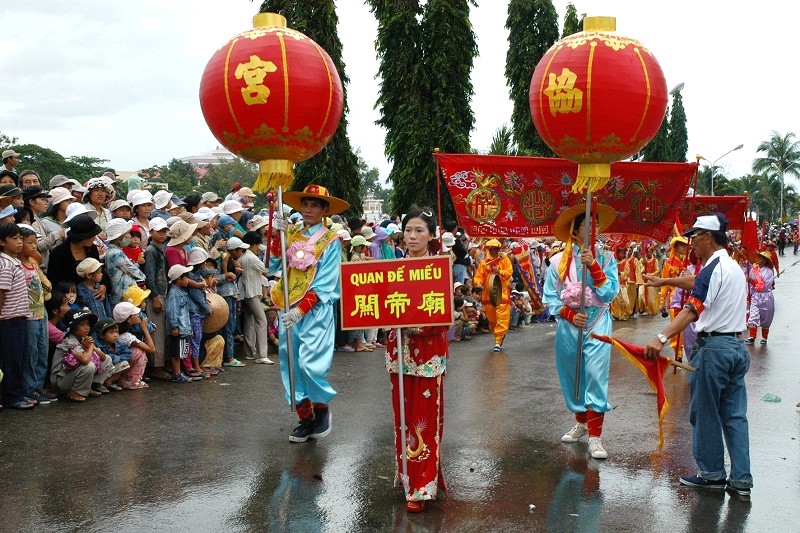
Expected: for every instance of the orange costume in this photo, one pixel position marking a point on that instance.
(650, 295)
(621, 307)
(499, 315)
(635, 281)
(672, 268)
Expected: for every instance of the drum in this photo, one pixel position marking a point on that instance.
(495, 289)
(219, 313)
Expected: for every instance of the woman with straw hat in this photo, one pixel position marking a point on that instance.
(313, 255)
(562, 294)
(762, 302)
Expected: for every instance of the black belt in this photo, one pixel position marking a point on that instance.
(701, 334)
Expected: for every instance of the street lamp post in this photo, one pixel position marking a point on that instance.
(712, 166)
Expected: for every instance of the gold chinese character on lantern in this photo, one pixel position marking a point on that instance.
(397, 303)
(253, 72)
(562, 94)
(366, 305)
(432, 303)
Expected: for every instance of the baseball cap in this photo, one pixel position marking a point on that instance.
(10, 153)
(711, 222)
(123, 311)
(235, 242)
(87, 266)
(176, 271)
(158, 224)
(210, 197)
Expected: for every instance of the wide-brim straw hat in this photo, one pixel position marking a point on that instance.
(763, 253)
(563, 225)
(295, 198)
(180, 232)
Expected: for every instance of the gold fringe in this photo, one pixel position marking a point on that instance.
(273, 173)
(591, 176)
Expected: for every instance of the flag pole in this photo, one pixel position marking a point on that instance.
(286, 308)
(584, 274)
(439, 196)
(401, 403)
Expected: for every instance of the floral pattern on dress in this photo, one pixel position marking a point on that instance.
(424, 353)
(123, 272)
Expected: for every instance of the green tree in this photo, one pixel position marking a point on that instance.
(678, 134)
(47, 163)
(426, 57)
(781, 157)
(6, 141)
(219, 178)
(180, 176)
(91, 166)
(532, 28)
(658, 149)
(503, 142)
(571, 22)
(336, 166)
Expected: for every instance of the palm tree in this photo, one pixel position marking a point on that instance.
(781, 157)
(503, 142)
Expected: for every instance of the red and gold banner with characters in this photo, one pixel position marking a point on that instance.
(504, 196)
(397, 293)
(733, 207)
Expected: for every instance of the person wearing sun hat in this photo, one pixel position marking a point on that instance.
(495, 266)
(79, 244)
(761, 278)
(313, 256)
(179, 235)
(562, 294)
(122, 271)
(718, 306)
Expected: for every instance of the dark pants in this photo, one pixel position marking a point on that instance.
(13, 335)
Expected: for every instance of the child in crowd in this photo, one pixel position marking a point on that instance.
(71, 290)
(127, 316)
(91, 272)
(34, 370)
(77, 363)
(458, 311)
(121, 209)
(272, 328)
(198, 309)
(155, 271)
(122, 271)
(252, 291)
(213, 343)
(229, 290)
(106, 335)
(14, 311)
(134, 250)
(178, 321)
(57, 308)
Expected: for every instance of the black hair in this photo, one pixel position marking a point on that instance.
(8, 230)
(26, 232)
(325, 204)
(55, 302)
(66, 286)
(21, 213)
(252, 237)
(426, 214)
(109, 328)
(450, 225)
(123, 327)
(10, 173)
(192, 201)
(458, 301)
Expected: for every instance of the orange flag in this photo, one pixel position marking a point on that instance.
(653, 370)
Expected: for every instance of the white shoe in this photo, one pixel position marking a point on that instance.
(574, 434)
(250, 357)
(596, 448)
(265, 361)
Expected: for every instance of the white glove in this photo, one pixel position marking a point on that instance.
(291, 318)
(280, 223)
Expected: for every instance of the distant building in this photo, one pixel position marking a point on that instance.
(203, 161)
(373, 208)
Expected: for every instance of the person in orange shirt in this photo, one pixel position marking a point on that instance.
(621, 306)
(673, 266)
(498, 264)
(650, 296)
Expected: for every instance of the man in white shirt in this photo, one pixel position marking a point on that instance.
(718, 304)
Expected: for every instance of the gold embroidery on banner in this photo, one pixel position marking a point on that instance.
(253, 73)
(483, 204)
(537, 205)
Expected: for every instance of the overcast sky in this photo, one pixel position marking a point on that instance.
(119, 79)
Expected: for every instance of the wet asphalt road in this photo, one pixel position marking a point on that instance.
(214, 456)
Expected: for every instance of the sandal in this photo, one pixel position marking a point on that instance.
(95, 393)
(347, 348)
(158, 373)
(114, 387)
(22, 405)
(74, 396)
(180, 378)
(100, 388)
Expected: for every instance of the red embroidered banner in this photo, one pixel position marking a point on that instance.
(733, 207)
(397, 293)
(504, 196)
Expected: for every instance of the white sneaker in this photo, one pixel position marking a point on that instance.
(574, 434)
(265, 361)
(596, 448)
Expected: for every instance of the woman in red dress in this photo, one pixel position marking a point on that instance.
(425, 352)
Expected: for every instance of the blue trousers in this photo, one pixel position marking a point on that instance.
(719, 408)
(13, 335)
(34, 368)
(230, 327)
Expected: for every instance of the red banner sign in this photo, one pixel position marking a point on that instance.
(504, 196)
(397, 293)
(733, 207)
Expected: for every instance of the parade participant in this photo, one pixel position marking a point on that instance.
(634, 266)
(762, 301)
(673, 266)
(718, 392)
(649, 301)
(313, 256)
(562, 294)
(425, 351)
(497, 264)
(621, 307)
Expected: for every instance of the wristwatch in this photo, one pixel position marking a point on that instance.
(662, 338)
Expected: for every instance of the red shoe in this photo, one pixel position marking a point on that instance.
(415, 506)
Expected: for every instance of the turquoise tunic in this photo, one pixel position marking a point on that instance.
(593, 391)
(314, 336)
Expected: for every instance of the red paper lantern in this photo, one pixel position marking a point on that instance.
(597, 97)
(272, 96)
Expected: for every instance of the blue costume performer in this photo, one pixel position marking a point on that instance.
(562, 294)
(314, 254)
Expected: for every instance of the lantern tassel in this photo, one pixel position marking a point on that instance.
(273, 173)
(591, 177)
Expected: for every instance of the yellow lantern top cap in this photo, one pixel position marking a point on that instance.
(269, 20)
(600, 24)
